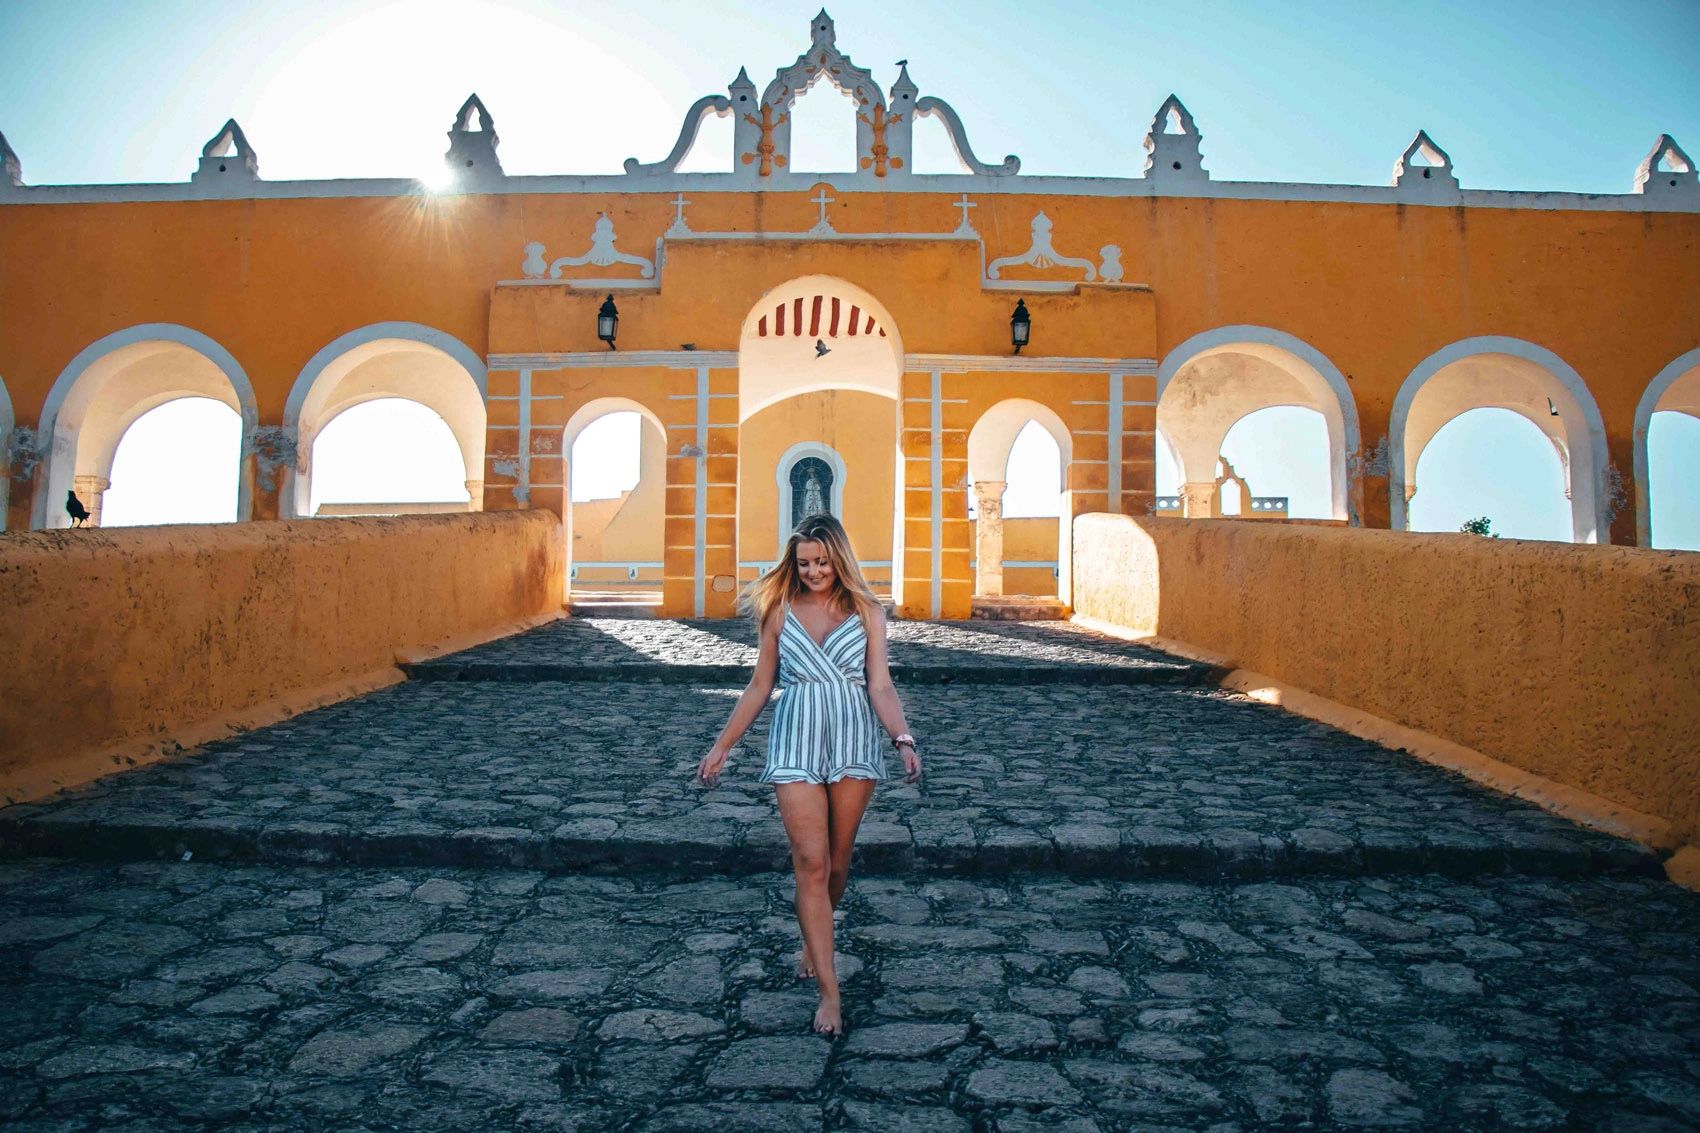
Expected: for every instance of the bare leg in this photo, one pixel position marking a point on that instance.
(803, 810)
(847, 799)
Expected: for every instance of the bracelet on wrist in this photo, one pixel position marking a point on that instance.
(904, 739)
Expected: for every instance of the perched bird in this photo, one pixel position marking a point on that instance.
(1551, 408)
(821, 349)
(687, 346)
(75, 509)
(901, 63)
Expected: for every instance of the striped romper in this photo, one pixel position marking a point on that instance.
(823, 727)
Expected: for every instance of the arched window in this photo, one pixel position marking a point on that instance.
(176, 463)
(1493, 463)
(389, 451)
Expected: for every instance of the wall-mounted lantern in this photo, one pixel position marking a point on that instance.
(607, 321)
(1020, 325)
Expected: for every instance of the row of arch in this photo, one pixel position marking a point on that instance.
(117, 379)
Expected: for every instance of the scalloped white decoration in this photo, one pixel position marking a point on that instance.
(1040, 254)
(227, 156)
(1435, 178)
(1679, 179)
(1173, 156)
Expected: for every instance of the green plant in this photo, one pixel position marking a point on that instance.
(1481, 525)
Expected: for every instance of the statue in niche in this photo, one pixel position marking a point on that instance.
(811, 489)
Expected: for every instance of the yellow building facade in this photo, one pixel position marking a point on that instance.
(793, 342)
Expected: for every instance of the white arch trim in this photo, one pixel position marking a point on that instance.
(782, 476)
(57, 479)
(1587, 463)
(292, 496)
(1644, 411)
(1344, 443)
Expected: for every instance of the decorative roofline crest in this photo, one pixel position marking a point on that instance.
(761, 127)
(228, 155)
(11, 169)
(1432, 176)
(1173, 155)
(472, 153)
(1680, 178)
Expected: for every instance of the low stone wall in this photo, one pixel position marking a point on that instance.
(1579, 664)
(124, 644)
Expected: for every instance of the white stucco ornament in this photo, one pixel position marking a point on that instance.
(601, 253)
(472, 152)
(1110, 264)
(1172, 154)
(227, 156)
(1667, 171)
(761, 125)
(1040, 254)
(1424, 171)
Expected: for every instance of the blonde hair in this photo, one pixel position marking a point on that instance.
(782, 584)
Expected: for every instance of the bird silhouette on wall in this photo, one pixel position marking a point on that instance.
(75, 509)
(821, 349)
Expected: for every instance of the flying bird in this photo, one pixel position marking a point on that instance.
(75, 509)
(821, 349)
(1551, 408)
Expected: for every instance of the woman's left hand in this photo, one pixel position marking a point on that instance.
(911, 764)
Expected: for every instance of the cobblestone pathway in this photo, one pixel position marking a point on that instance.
(1145, 904)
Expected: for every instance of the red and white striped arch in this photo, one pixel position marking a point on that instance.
(818, 316)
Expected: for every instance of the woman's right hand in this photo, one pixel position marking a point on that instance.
(708, 771)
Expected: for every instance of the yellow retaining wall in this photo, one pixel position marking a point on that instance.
(128, 643)
(1578, 664)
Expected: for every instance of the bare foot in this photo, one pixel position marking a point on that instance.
(805, 967)
(829, 1021)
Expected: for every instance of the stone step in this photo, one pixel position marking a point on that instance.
(1017, 608)
(682, 848)
(623, 606)
(698, 673)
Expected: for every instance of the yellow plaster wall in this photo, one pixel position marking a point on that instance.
(128, 639)
(1028, 538)
(861, 427)
(1576, 663)
(1375, 288)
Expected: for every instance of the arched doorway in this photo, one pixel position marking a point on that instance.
(615, 490)
(1018, 454)
(820, 364)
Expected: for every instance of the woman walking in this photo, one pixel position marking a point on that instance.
(823, 641)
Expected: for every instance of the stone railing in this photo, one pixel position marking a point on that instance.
(1573, 663)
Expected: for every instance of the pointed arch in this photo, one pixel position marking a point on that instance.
(1524, 375)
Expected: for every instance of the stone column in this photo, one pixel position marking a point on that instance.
(1198, 499)
(988, 536)
(90, 489)
(475, 489)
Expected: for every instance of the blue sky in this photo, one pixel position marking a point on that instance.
(1561, 96)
